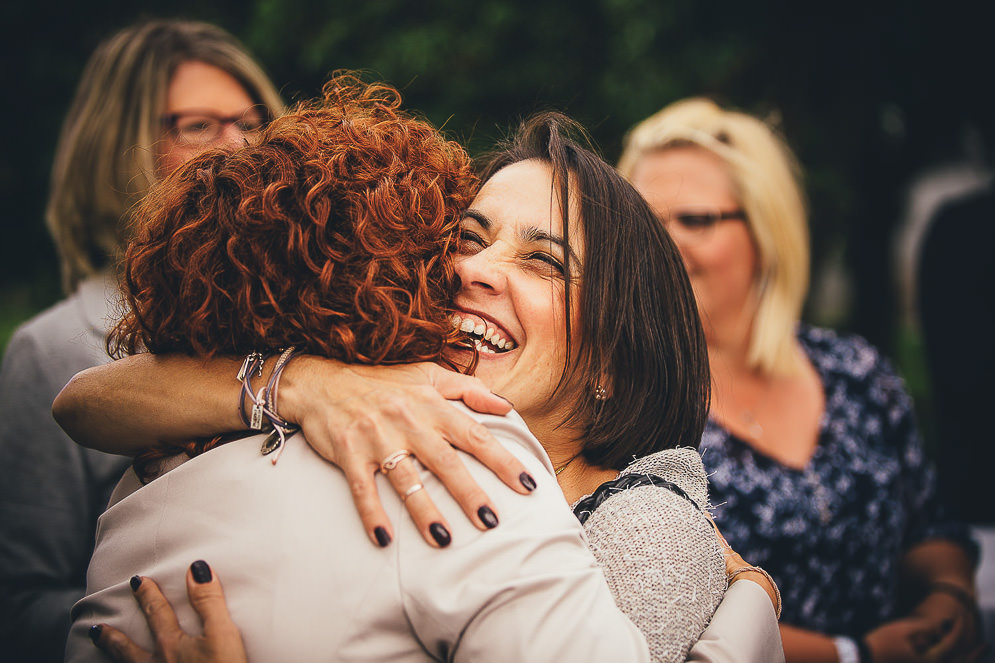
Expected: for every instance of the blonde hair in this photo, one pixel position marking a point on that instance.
(104, 158)
(767, 179)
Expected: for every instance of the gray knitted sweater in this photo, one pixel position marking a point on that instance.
(659, 552)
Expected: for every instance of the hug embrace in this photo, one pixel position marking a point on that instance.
(355, 261)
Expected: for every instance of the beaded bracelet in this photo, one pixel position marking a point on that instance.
(777, 592)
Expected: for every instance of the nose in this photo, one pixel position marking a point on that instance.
(483, 270)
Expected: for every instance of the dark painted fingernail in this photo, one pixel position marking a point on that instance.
(946, 625)
(95, 632)
(136, 582)
(383, 538)
(487, 517)
(527, 481)
(440, 534)
(201, 572)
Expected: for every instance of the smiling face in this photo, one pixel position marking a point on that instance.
(511, 266)
(721, 259)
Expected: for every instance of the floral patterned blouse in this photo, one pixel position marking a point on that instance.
(832, 535)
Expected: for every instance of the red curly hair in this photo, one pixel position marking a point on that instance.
(334, 233)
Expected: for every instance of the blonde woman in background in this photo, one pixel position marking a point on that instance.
(811, 445)
(151, 96)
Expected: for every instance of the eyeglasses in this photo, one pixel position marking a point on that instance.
(698, 224)
(198, 127)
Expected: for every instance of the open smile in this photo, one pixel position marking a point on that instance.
(488, 336)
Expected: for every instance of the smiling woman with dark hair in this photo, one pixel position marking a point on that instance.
(345, 237)
(320, 237)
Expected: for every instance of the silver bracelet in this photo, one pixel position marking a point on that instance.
(846, 649)
(777, 592)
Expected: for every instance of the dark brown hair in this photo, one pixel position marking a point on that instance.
(640, 334)
(335, 233)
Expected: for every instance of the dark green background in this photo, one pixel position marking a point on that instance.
(869, 93)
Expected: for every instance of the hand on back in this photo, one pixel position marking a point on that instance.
(358, 416)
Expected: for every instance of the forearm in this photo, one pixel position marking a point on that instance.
(804, 645)
(939, 561)
(943, 589)
(128, 405)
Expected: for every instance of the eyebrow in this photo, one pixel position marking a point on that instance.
(531, 234)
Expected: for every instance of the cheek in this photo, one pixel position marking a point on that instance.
(554, 313)
(730, 254)
(544, 320)
(739, 258)
(172, 156)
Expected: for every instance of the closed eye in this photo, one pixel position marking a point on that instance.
(548, 259)
(470, 242)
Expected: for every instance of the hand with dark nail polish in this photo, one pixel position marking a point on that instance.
(440, 534)
(487, 517)
(201, 572)
(95, 632)
(527, 481)
(383, 538)
(136, 582)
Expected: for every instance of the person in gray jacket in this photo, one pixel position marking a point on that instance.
(130, 122)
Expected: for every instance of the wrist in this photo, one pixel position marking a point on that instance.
(850, 650)
(762, 578)
(261, 376)
(964, 596)
(292, 387)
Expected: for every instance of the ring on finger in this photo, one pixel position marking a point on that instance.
(391, 461)
(411, 491)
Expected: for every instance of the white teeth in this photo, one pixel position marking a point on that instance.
(482, 348)
(481, 329)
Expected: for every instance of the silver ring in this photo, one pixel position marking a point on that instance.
(391, 461)
(411, 491)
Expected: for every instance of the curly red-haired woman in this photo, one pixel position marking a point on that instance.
(530, 304)
(335, 235)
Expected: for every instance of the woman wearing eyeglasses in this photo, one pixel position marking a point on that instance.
(151, 97)
(811, 445)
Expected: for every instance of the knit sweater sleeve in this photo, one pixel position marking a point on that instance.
(663, 564)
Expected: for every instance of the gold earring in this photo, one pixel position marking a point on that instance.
(600, 393)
